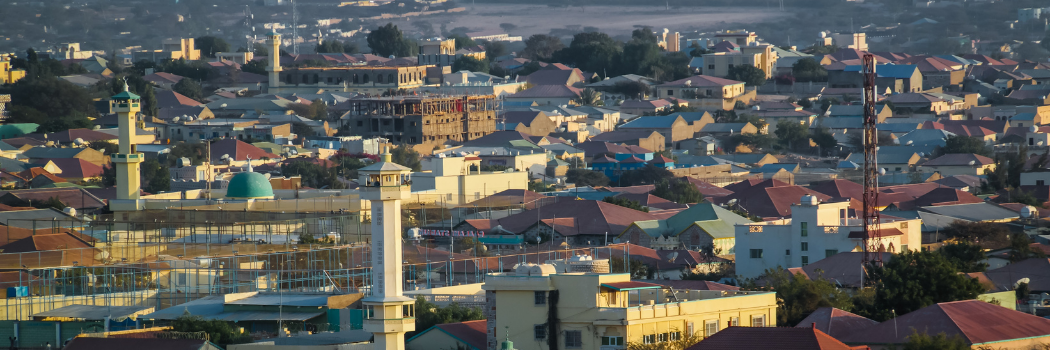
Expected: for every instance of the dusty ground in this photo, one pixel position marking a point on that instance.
(614, 20)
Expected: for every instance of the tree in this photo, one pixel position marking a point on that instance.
(389, 41)
(429, 314)
(210, 45)
(626, 203)
(155, 177)
(648, 175)
(219, 332)
(336, 46)
(750, 140)
(963, 144)
(965, 256)
(637, 268)
(750, 75)
(471, 64)
(51, 202)
(197, 153)
(821, 49)
(592, 52)
(189, 88)
(584, 177)
(589, 97)
(1033, 52)
(103, 146)
(541, 47)
(406, 156)
(792, 135)
(540, 187)
(316, 110)
(51, 97)
(685, 341)
(462, 40)
(825, 140)
(1021, 248)
(807, 69)
(255, 67)
(798, 296)
(678, 191)
(495, 49)
(941, 341)
(632, 89)
(313, 175)
(913, 280)
(988, 235)
(507, 27)
(697, 51)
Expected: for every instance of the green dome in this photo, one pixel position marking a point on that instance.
(249, 185)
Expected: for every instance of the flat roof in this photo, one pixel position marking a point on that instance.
(632, 285)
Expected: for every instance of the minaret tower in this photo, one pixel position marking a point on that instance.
(274, 66)
(127, 106)
(389, 314)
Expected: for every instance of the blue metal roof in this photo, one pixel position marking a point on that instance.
(502, 240)
(896, 71)
(660, 121)
(1023, 116)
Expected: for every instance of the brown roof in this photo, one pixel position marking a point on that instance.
(76, 198)
(514, 198)
(474, 333)
(754, 338)
(623, 135)
(833, 321)
(976, 321)
(168, 99)
(959, 159)
(45, 242)
(708, 189)
(24, 140)
(76, 168)
(701, 81)
(68, 136)
(32, 173)
(162, 78)
(631, 285)
(692, 285)
(946, 196)
(540, 91)
(1037, 270)
(770, 201)
(882, 232)
(842, 269)
(238, 150)
(89, 343)
(593, 217)
(839, 188)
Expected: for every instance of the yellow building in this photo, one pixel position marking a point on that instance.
(7, 74)
(607, 311)
(127, 106)
(174, 49)
(458, 180)
(761, 56)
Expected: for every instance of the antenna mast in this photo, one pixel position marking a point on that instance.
(872, 245)
(295, 28)
(248, 17)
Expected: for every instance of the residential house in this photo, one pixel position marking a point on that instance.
(76, 169)
(673, 127)
(938, 72)
(706, 92)
(1029, 97)
(702, 227)
(138, 342)
(927, 103)
(894, 78)
(650, 140)
(959, 164)
(732, 338)
(925, 138)
(645, 107)
(610, 90)
(42, 154)
(559, 95)
(529, 122)
(881, 112)
(453, 180)
(470, 335)
(759, 56)
(163, 79)
(171, 49)
(790, 244)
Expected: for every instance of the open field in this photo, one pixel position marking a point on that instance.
(614, 20)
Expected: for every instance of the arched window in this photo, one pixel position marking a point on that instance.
(365, 79)
(306, 79)
(288, 78)
(379, 78)
(356, 80)
(316, 79)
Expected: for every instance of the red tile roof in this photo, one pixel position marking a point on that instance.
(45, 242)
(754, 338)
(592, 217)
(168, 99)
(946, 196)
(708, 189)
(474, 333)
(238, 150)
(834, 321)
(31, 173)
(976, 321)
(76, 168)
(767, 201)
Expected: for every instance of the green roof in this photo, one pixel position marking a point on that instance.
(715, 220)
(249, 185)
(125, 95)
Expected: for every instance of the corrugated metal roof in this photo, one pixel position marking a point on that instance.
(238, 316)
(286, 299)
(92, 312)
(631, 285)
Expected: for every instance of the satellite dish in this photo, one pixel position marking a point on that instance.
(229, 160)
(972, 162)
(78, 141)
(189, 119)
(882, 171)
(225, 156)
(909, 142)
(1028, 211)
(672, 256)
(1033, 128)
(175, 120)
(1025, 280)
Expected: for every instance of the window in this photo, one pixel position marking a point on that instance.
(649, 339)
(805, 260)
(805, 229)
(370, 312)
(904, 247)
(710, 66)
(539, 331)
(1040, 182)
(758, 321)
(676, 335)
(360, 123)
(904, 225)
(573, 339)
(670, 92)
(661, 337)
(408, 311)
(829, 252)
(540, 298)
(756, 253)
(805, 246)
(182, 278)
(710, 328)
(734, 322)
(787, 251)
(612, 341)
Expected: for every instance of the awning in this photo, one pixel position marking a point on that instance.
(622, 286)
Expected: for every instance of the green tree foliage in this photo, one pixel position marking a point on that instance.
(51, 202)
(821, 49)
(632, 89)
(346, 164)
(406, 156)
(316, 110)
(965, 256)
(219, 332)
(389, 41)
(638, 269)
(336, 46)
(495, 49)
(798, 296)
(696, 50)
(825, 140)
(462, 40)
(155, 177)
(1021, 248)
(196, 70)
(255, 67)
(750, 75)
(313, 175)
(589, 97)
(541, 47)
(988, 235)
(36, 67)
(210, 45)
(428, 314)
(761, 141)
(626, 203)
(913, 280)
(507, 27)
(105, 147)
(685, 341)
(197, 153)
(1007, 173)
(648, 175)
(189, 88)
(592, 52)
(472, 64)
(584, 177)
(678, 191)
(963, 144)
(540, 187)
(259, 50)
(794, 136)
(48, 97)
(941, 341)
(807, 69)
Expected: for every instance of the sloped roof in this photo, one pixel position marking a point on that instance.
(723, 127)
(77, 198)
(959, 159)
(770, 201)
(591, 148)
(701, 81)
(76, 168)
(67, 136)
(651, 122)
(925, 137)
(162, 78)
(474, 333)
(895, 71)
(623, 135)
(692, 285)
(168, 99)
(835, 321)
(976, 321)
(592, 217)
(1037, 270)
(88, 343)
(735, 338)
(946, 196)
(45, 242)
(553, 77)
(546, 91)
(707, 189)
(238, 150)
(839, 188)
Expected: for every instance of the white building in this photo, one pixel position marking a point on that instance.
(815, 231)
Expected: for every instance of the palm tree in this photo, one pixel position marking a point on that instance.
(589, 97)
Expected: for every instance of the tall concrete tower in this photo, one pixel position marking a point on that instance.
(127, 106)
(388, 313)
(274, 67)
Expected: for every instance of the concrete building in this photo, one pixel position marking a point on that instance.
(706, 92)
(959, 164)
(363, 79)
(126, 105)
(815, 231)
(542, 308)
(423, 120)
(171, 49)
(453, 179)
(761, 56)
(9, 75)
(443, 53)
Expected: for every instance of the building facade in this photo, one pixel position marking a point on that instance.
(363, 79)
(423, 120)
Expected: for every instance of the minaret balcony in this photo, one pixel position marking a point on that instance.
(127, 158)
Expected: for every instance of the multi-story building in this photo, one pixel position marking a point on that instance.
(459, 180)
(762, 57)
(171, 49)
(443, 53)
(4, 99)
(363, 79)
(815, 231)
(542, 309)
(419, 119)
(9, 75)
(739, 37)
(208, 129)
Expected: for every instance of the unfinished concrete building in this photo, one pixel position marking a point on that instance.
(424, 119)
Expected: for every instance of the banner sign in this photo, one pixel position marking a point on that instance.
(452, 233)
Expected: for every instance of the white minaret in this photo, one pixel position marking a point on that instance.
(389, 314)
(126, 105)
(274, 66)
